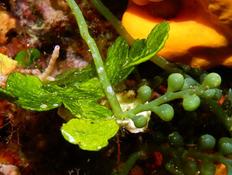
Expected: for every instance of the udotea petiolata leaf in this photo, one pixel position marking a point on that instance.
(29, 94)
(154, 43)
(83, 104)
(91, 135)
(121, 58)
(75, 76)
(81, 100)
(116, 57)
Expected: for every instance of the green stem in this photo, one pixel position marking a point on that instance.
(216, 157)
(170, 96)
(229, 169)
(220, 113)
(213, 157)
(186, 154)
(128, 165)
(166, 65)
(110, 94)
(112, 19)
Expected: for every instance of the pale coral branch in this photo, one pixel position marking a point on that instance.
(55, 54)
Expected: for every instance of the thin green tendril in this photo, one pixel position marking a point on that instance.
(110, 94)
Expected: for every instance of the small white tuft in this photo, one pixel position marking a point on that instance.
(44, 106)
(55, 105)
(100, 70)
(110, 90)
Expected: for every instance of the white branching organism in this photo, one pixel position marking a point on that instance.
(51, 65)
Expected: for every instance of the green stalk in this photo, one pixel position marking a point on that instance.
(167, 97)
(216, 157)
(170, 96)
(109, 92)
(166, 65)
(220, 113)
(213, 157)
(112, 19)
(128, 165)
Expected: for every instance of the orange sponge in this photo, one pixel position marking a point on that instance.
(193, 39)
